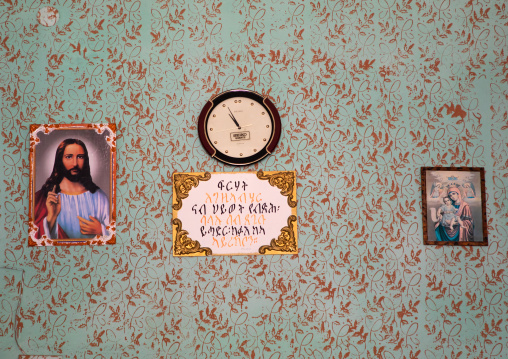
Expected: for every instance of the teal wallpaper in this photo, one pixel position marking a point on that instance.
(368, 91)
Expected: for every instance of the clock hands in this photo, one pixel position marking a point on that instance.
(234, 119)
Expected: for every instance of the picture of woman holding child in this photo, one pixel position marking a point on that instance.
(457, 226)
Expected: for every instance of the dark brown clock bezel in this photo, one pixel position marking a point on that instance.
(263, 101)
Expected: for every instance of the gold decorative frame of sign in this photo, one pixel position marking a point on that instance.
(286, 242)
(184, 245)
(284, 181)
(183, 183)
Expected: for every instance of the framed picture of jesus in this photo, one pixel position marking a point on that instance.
(453, 206)
(72, 184)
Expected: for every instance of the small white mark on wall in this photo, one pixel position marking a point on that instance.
(48, 16)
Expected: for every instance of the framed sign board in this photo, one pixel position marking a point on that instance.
(453, 206)
(72, 184)
(236, 213)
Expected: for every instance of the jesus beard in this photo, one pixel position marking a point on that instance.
(73, 177)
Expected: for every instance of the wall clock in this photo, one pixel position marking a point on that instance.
(239, 127)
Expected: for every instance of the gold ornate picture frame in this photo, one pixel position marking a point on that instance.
(72, 184)
(234, 213)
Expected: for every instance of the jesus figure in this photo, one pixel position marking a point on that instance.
(70, 205)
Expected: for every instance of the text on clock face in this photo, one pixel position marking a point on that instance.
(240, 136)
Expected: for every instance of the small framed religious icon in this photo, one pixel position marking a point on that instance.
(453, 206)
(72, 184)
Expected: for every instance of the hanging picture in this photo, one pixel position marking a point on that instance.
(72, 184)
(239, 213)
(453, 204)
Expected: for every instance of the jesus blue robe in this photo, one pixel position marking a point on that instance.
(84, 205)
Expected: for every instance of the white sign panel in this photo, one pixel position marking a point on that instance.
(238, 213)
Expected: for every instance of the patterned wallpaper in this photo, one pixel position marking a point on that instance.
(368, 91)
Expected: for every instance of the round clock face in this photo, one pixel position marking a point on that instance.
(239, 127)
